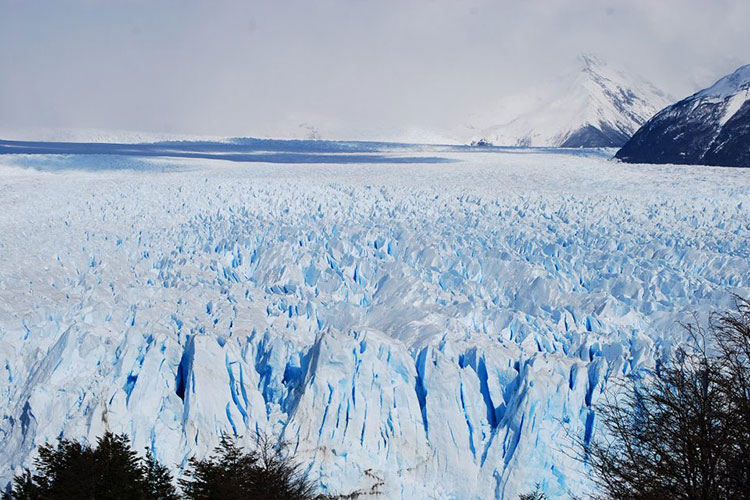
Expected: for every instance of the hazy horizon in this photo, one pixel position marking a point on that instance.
(334, 69)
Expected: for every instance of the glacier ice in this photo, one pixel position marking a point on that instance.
(417, 330)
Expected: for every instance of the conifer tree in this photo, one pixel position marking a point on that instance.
(111, 470)
(231, 473)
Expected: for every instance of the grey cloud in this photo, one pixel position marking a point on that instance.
(345, 68)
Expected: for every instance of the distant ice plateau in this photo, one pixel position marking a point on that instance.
(419, 330)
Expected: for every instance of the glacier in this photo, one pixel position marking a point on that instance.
(412, 330)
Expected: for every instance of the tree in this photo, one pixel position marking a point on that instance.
(158, 480)
(232, 473)
(110, 471)
(731, 339)
(537, 494)
(683, 433)
(226, 474)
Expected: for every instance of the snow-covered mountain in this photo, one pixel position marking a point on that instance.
(595, 105)
(711, 127)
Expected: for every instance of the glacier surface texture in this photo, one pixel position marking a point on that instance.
(417, 330)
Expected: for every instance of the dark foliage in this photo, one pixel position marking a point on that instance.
(684, 434)
(731, 338)
(110, 471)
(537, 494)
(232, 473)
(113, 471)
(158, 480)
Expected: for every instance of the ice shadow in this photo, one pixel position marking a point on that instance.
(237, 150)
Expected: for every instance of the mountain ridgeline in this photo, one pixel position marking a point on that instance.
(711, 127)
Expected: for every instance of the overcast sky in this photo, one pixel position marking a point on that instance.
(349, 69)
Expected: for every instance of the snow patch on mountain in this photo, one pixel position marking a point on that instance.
(734, 103)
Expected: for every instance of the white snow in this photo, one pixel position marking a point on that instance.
(729, 85)
(424, 331)
(595, 93)
(734, 103)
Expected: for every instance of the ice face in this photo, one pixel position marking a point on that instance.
(422, 331)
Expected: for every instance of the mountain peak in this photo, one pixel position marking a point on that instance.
(591, 61)
(593, 105)
(711, 127)
(728, 85)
